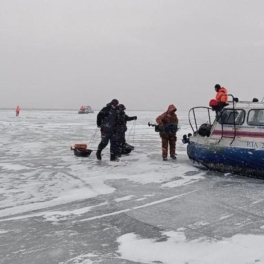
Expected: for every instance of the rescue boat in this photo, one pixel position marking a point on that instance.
(233, 142)
(85, 110)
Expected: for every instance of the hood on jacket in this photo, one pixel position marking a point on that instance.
(121, 107)
(171, 108)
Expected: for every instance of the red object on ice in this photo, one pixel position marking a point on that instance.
(80, 146)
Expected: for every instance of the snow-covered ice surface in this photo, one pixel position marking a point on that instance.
(58, 208)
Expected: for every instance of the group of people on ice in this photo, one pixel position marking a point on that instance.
(112, 120)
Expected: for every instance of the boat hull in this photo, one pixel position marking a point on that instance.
(228, 159)
(84, 112)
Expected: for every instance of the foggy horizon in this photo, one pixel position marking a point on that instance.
(147, 54)
(77, 109)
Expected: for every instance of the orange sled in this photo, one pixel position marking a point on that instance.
(80, 150)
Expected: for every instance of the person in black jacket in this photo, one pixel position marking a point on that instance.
(122, 119)
(107, 121)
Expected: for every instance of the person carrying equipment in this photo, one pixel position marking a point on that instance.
(168, 123)
(107, 121)
(122, 119)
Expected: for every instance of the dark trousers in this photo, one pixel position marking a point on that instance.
(166, 141)
(121, 143)
(105, 138)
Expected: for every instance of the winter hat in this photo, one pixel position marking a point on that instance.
(217, 86)
(115, 102)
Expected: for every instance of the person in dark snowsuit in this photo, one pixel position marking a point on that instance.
(107, 121)
(122, 119)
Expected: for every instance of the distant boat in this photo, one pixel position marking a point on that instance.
(85, 110)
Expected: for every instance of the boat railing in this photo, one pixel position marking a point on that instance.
(195, 126)
(192, 110)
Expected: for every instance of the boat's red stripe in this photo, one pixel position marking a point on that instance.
(240, 133)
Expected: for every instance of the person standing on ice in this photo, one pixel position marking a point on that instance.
(122, 119)
(107, 121)
(168, 123)
(17, 111)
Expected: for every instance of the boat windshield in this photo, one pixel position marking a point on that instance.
(231, 116)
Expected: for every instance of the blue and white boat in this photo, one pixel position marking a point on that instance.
(233, 142)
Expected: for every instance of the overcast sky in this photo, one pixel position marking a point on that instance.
(146, 53)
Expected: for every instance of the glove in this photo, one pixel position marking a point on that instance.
(135, 117)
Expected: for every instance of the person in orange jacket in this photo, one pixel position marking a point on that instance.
(17, 111)
(220, 100)
(221, 94)
(168, 122)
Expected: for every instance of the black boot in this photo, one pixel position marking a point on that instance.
(165, 158)
(114, 157)
(98, 155)
(173, 157)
